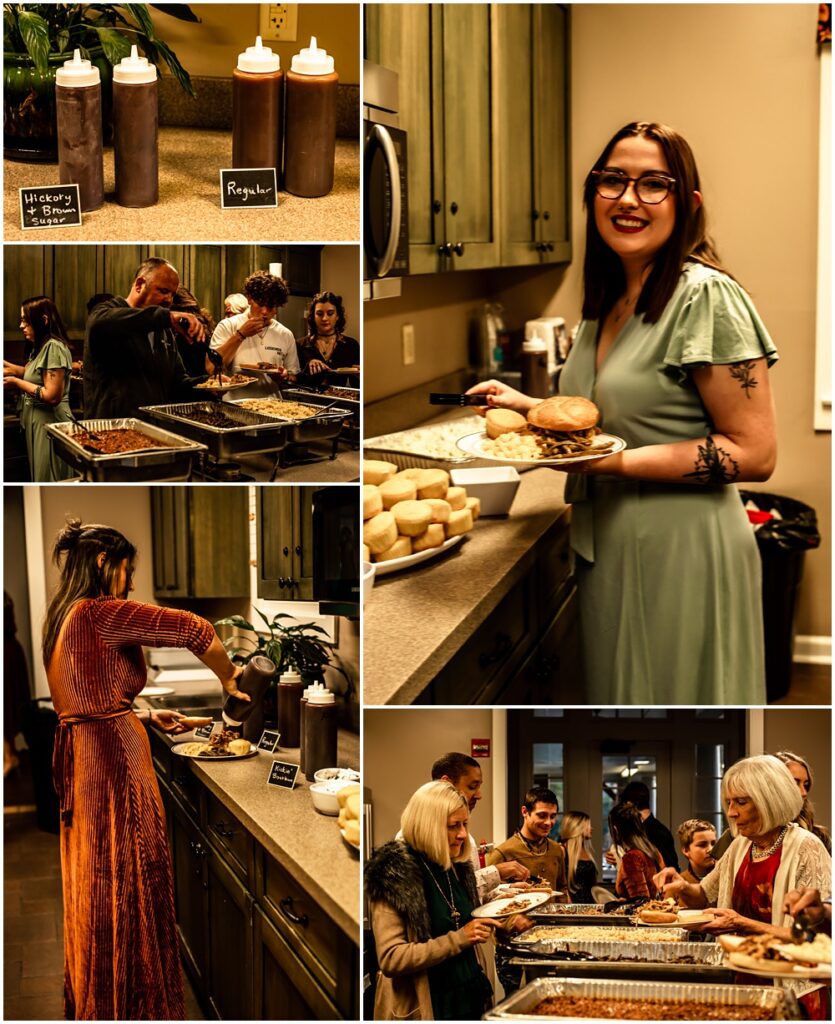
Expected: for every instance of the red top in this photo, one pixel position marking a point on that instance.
(635, 875)
(754, 886)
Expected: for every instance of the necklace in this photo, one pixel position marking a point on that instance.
(538, 845)
(757, 854)
(326, 344)
(454, 913)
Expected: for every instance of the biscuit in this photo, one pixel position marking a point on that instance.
(457, 498)
(372, 501)
(503, 421)
(460, 521)
(375, 472)
(366, 553)
(409, 474)
(432, 537)
(474, 505)
(397, 489)
(432, 483)
(401, 548)
(380, 532)
(412, 517)
(440, 509)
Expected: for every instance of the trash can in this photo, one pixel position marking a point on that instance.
(39, 725)
(785, 530)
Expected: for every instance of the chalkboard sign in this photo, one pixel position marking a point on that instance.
(205, 731)
(269, 740)
(283, 774)
(50, 206)
(248, 188)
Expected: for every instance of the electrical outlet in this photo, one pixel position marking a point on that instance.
(279, 21)
(407, 343)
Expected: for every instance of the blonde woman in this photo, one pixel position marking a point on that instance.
(801, 772)
(422, 893)
(575, 835)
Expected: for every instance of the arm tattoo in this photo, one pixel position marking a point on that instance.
(714, 465)
(744, 373)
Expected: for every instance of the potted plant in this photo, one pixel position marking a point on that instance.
(39, 38)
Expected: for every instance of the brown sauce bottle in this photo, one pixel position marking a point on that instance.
(250, 713)
(319, 732)
(290, 690)
(78, 119)
(135, 131)
(310, 123)
(257, 109)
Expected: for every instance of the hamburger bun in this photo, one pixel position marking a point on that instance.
(504, 421)
(657, 917)
(564, 413)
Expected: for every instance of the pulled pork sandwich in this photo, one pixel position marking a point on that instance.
(566, 423)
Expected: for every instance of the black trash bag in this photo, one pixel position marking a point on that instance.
(797, 530)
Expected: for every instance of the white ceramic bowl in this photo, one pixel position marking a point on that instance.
(368, 571)
(324, 802)
(324, 774)
(494, 486)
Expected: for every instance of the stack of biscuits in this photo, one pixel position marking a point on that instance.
(411, 510)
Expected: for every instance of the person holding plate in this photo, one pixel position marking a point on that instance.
(121, 953)
(676, 357)
(326, 348)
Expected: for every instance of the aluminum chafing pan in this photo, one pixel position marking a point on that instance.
(172, 462)
(254, 433)
(658, 952)
(520, 1006)
(351, 403)
(429, 446)
(569, 932)
(323, 427)
(578, 913)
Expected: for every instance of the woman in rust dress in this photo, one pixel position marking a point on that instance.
(120, 939)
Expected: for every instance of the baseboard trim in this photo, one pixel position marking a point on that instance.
(813, 650)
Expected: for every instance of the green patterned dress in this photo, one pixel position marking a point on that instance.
(669, 574)
(34, 415)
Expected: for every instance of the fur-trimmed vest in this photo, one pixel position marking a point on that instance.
(394, 875)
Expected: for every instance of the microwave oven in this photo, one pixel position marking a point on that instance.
(385, 185)
(336, 549)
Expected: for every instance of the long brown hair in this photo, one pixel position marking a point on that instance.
(81, 577)
(310, 315)
(42, 315)
(603, 276)
(627, 828)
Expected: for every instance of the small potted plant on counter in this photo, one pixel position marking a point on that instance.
(39, 38)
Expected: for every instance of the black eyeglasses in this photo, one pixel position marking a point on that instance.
(650, 188)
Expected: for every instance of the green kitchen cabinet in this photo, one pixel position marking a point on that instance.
(200, 541)
(531, 85)
(442, 54)
(285, 543)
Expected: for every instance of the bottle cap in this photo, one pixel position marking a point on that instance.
(289, 677)
(134, 70)
(535, 345)
(321, 696)
(230, 721)
(77, 72)
(258, 59)
(312, 60)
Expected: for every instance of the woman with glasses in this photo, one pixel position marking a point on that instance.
(44, 385)
(675, 356)
(121, 953)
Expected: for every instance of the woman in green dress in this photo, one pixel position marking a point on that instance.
(44, 383)
(673, 353)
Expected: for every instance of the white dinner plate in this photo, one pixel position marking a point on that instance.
(506, 889)
(395, 564)
(219, 389)
(350, 846)
(178, 749)
(473, 444)
(155, 691)
(497, 908)
(821, 971)
(678, 923)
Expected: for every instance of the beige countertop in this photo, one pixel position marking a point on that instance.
(189, 207)
(305, 842)
(414, 621)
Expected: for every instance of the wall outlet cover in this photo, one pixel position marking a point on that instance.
(279, 22)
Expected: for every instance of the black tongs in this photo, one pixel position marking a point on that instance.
(443, 398)
(801, 929)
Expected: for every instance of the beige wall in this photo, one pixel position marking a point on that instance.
(809, 734)
(340, 273)
(401, 744)
(732, 79)
(225, 30)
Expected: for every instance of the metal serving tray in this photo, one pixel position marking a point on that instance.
(254, 433)
(429, 446)
(173, 462)
(657, 952)
(578, 913)
(521, 1004)
(302, 395)
(324, 427)
(570, 932)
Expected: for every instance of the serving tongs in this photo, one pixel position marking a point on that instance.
(557, 954)
(634, 904)
(801, 930)
(90, 433)
(444, 398)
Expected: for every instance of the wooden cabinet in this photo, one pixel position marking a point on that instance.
(286, 989)
(190, 886)
(229, 988)
(200, 541)
(285, 543)
(443, 53)
(531, 84)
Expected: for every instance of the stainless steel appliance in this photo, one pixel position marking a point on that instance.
(336, 550)
(385, 186)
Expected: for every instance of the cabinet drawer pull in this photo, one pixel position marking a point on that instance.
(286, 551)
(453, 208)
(458, 248)
(503, 645)
(298, 549)
(181, 780)
(445, 249)
(221, 829)
(286, 907)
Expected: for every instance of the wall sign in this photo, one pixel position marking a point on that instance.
(269, 740)
(249, 188)
(480, 748)
(283, 774)
(50, 206)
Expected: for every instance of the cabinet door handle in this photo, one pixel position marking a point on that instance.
(549, 246)
(286, 551)
(503, 645)
(286, 907)
(298, 549)
(453, 208)
(458, 248)
(222, 830)
(181, 780)
(445, 249)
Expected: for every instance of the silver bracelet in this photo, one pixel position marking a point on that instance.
(36, 394)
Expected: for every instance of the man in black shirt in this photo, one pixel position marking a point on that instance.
(660, 836)
(130, 348)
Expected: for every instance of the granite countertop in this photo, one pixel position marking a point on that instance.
(189, 206)
(284, 821)
(416, 620)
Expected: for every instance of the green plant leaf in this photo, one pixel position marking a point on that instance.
(34, 32)
(181, 11)
(115, 45)
(266, 622)
(143, 18)
(236, 620)
(175, 67)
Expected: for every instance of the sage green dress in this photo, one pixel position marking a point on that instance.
(34, 415)
(669, 575)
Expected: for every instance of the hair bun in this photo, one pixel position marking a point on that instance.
(69, 535)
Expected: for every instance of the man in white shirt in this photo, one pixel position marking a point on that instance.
(257, 336)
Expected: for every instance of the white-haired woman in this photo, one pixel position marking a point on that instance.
(769, 857)
(422, 893)
(575, 835)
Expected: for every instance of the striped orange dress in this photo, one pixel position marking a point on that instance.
(121, 957)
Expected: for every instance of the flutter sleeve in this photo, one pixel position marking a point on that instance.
(121, 623)
(716, 324)
(55, 356)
